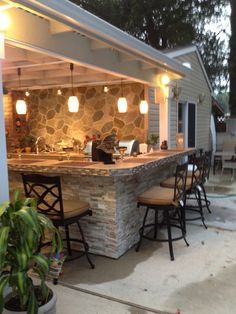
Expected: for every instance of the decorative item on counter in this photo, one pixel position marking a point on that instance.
(86, 140)
(143, 147)
(76, 145)
(152, 141)
(164, 145)
(122, 150)
(27, 143)
(96, 141)
(180, 140)
(107, 148)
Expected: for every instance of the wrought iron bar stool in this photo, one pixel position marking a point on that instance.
(167, 201)
(205, 178)
(194, 183)
(47, 190)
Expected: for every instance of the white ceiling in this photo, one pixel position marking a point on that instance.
(42, 71)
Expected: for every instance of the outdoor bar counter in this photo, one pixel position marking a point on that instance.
(111, 191)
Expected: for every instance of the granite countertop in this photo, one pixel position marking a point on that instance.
(129, 166)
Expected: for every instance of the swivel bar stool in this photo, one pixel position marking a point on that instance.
(47, 190)
(166, 201)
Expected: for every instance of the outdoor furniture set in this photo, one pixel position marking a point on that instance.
(173, 198)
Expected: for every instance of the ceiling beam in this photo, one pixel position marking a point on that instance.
(32, 32)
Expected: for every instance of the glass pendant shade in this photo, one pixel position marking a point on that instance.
(73, 104)
(143, 107)
(122, 105)
(21, 106)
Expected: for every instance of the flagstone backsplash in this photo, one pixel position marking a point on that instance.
(48, 114)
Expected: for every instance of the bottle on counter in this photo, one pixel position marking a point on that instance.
(96, 140)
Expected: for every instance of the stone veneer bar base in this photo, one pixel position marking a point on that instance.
(116, 220)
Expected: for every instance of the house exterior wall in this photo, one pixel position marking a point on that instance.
(192, 86)
(153, 116)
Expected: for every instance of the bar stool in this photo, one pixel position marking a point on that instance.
(47, 190)
(194, 183)
(205, 178)
(166, 201)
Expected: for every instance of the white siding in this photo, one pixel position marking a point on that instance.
(153, 117)
(193, 85)
(173, 118)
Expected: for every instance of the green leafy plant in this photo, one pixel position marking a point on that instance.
(153, 139)
(21, 232)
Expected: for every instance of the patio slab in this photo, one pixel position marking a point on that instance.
(200, 280)
(150, 279)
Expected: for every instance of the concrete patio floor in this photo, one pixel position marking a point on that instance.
(200, 280)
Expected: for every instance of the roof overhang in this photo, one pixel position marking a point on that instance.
(175, 53)
(64, 31)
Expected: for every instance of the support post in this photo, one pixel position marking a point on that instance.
(4, 190)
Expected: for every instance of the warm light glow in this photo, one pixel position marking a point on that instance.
(4, 22)
(165, 79)
(73, 104)
(143, 107)
(59, 92)
(122, 105)
(105, 89)
(21, 106)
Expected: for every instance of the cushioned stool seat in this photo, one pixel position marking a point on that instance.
(170, 183)
(73, 208)
(157, 195)
(166, 201)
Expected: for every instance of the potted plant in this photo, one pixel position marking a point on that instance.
(152, 141)
(21, 232)
(27, 142)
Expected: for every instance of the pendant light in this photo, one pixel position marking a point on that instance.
(122, 102)
(143, 106)
(73, 102)
(20, 104)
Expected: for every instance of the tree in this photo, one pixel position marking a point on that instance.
(232, 60)
(168, 24)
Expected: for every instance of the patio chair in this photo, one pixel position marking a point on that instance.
(167, 201)
(47, 190)
(228, 150)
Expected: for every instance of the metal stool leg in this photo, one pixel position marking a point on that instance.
(68, 240)
(198, 196)
(141, 230)
(181, 216)
(167, 216)
(156, 224)
(86, 247)
(205, 198)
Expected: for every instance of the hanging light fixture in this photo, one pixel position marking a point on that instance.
(143, 106)
(20, 103)
(122, 102)
(73, 102)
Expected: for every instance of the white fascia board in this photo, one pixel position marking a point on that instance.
(180, 52)
(184, 51)
(92, 26)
